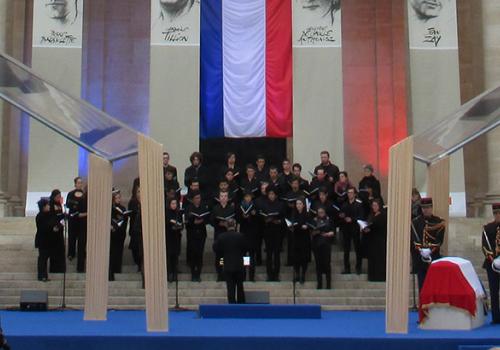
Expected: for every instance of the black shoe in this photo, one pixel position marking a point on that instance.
(219, 277)
(170, 277)
(358, 270)
(269, 279)
(193, 278)
(70, 258)
(346, 272)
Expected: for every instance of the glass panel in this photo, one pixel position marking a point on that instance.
(73, 118)
(473, 119)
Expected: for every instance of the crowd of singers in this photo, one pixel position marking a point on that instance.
(279, 212)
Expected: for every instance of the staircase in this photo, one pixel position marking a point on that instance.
(350, 292)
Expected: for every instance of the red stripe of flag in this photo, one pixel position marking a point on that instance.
(279, 91)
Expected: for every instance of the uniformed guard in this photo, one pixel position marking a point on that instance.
(491, 250)
(427, 236)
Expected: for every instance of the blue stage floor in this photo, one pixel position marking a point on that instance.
(126, 330)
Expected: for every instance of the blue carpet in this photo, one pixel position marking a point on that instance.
(260, 311)
(126, 330)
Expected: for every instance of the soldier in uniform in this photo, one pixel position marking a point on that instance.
(491, 250)
(427, 236)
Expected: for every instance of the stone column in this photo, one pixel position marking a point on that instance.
(12, 23)
(491, 23)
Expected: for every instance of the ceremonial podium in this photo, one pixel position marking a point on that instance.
(452, 297)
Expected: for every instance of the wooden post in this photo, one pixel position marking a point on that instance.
(153, 233)
(438, 187)
(100, 180)
(398, 236)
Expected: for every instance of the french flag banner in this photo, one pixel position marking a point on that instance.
(245, 68)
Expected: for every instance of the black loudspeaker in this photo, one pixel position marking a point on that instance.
(34, 300)
(257, 297)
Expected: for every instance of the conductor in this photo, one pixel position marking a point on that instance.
(231, 247)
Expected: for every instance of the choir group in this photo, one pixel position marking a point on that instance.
(276, 210)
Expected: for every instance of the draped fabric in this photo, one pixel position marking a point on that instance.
(246, 68)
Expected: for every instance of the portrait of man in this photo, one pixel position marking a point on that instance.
(324, 8)
(63, 11)
(426, 9)
(175, 22)
(57, 23)
(172, 9)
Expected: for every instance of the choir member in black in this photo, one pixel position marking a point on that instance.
(369, 181)
(232, 182)
(323, 201)
(119, 223)
(230, 165)
(259, 204)
(289, 199)
(81, 253)
(286, 175)
(331, 170)
(296, 170)
(319, 181)
(222, 212)
(197, 217)
(341, 187)
(170, 183)
(301, 241)
(273, 212)
(223, 187)
(369, 196)
(197, 171)
(261, 171)
(72, 200)
(136, 231)
(57, 248)
(426, 239)
(350, 212)
(247, 218)
(275, 181)
(193, 187)
(168, 166)
(133, 207)
(231, 247)
(174, 226)
(44, 230)
(249, 182)
(322, 236)
(416, 198)
(376, 239)
(491, 250)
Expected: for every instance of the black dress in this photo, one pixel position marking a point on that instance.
(322, 248)
(56, 240)
(273, 213)
(301, 244)
(73, 203)
(174, 227)
(133, 206)
(376, 243)
(119, 222)
(42, 242)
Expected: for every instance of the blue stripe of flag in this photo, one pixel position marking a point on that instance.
(211, 88)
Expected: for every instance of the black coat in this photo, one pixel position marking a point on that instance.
(174, 227)
(44, 230)
(247, 218)
(434, 239)
(200, 172)
(376, 242)
(301, 238)
(331, 170)
(231, 246)
(489, 243)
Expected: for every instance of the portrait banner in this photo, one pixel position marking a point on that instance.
(432, 24)
(57, 23)
(317, 23)
(175, 22)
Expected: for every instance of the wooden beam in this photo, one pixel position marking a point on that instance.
(438, 187)
(398, 236)
(100, 180)
(153, 233)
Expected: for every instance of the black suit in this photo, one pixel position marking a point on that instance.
(231, 246)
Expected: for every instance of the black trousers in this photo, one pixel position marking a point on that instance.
(352, 235)
(116, 251)
(494, 282)
(43, 258)
(73, 232)
(81, 250)
(421, 273)
(289, 245)
(172, 263)
(234, 284)
(251, 269)
(194, 250)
